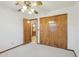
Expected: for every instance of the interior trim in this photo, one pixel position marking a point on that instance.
(63, 48)
(11, 48)
(72, 51)
(38, 44)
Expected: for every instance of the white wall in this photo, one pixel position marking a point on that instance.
(73, 25)
(11, 29)
(77, 30)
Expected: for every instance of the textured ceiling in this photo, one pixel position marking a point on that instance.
(47, 7)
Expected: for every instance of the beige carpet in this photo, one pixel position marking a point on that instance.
(35, 50)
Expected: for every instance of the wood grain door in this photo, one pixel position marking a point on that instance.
(57, 38)
(27, 31)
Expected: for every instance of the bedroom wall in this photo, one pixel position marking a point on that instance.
(77, 30)
(73, 28)
(10, 28)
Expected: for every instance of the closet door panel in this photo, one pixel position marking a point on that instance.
(61, 32)
(44, 31)
(27, 31)
(56, 38)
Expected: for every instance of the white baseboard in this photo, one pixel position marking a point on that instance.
(77, 53)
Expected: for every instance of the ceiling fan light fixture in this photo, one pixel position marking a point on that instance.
(34, 4)
(29, 12)
(24, 7)
(38, 3)
(32, 10)
(22, 10)
(28, 5)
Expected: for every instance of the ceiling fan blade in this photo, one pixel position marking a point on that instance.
(36, 12)
(39, 3)
(19, 9)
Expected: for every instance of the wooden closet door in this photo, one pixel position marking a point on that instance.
(27, 31)
(56, 38)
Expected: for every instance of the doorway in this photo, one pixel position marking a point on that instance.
(30, 31)
(34, 31)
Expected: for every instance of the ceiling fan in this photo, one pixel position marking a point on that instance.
(28, 5)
